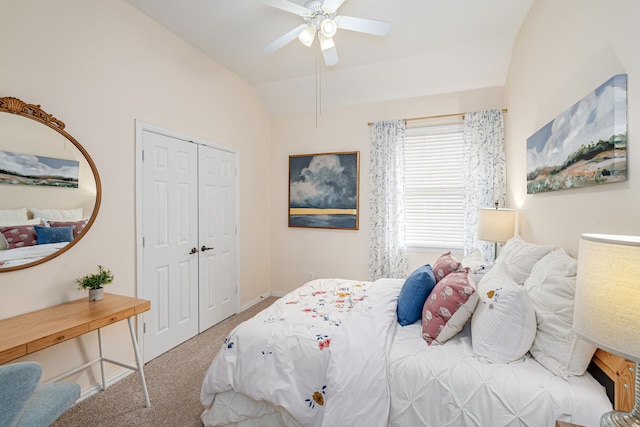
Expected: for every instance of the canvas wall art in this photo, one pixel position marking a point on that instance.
(585, 145)
(29, 169)
(323, 190)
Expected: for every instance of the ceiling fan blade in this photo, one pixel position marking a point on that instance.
(287, 6)
(362, 25)
(332, 5)
(285, 39)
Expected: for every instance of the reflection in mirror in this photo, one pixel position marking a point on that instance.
(49, 187)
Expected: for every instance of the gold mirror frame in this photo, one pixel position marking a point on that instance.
(34, 112)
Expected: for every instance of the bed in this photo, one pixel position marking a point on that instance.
(27, 254)
(29, 234)
(334, 353)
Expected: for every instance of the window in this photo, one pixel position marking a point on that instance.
(434, 187)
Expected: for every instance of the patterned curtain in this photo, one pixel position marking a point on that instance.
(485, 172)
(387, 248)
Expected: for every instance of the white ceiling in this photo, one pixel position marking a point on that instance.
(434, 47)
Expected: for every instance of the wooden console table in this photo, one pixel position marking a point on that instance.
(30, 332)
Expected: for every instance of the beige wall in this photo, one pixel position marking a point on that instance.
(565, 50)
(342, 253)
(98, 66)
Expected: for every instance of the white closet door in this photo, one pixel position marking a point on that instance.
(170, 230)
(218, 272)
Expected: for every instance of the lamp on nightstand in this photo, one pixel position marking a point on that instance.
(607, 305)
(496, 225)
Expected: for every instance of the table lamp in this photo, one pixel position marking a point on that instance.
(607, 305)
(496, 225)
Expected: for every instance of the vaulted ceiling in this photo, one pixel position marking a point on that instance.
(434, 47)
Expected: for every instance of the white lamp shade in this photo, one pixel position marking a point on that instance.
(607, 301)
(325, 42)
(307, 35)
(496, 225)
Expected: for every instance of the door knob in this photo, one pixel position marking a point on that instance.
(193, 251)
(204, 248)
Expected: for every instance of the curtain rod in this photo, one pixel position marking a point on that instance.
(441, 116)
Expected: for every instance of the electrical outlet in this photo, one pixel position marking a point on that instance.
(311, 275)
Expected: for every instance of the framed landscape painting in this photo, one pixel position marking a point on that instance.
(323, 190)
(585, 145)
(29, 169)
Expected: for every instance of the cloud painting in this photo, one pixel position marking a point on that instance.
(585, 145)
(323, 190)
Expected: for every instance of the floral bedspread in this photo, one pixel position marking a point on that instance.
(305, 354)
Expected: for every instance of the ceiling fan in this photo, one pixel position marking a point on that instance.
(321, 19)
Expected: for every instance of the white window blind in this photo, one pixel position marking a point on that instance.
(434, 187)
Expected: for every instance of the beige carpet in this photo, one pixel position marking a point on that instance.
(173, 381)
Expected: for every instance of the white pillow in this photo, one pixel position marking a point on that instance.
(520, 257)
(3, 241)
(13, 215)
(477, 265)
(58, 214)
(551, 288)
(503, 325)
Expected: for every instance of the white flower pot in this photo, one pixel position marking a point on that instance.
(96, 294)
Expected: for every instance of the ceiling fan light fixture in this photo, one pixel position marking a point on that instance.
(328, 27)
(307, 35)
(326, 42)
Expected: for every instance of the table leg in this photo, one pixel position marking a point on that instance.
(104, 383)
(139, 363)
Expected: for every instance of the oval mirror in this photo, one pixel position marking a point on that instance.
(49, 187)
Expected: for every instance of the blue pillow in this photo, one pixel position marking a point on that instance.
(414, 293)
(53, 234)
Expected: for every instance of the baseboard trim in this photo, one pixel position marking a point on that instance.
(260, 298)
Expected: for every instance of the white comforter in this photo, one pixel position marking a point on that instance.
(331, 365)
(446, 385)
(320, 353)
(27, 254)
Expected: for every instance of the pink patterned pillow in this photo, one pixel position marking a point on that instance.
(449, 306)
(444, 265)
(18, 236)
(78, 226)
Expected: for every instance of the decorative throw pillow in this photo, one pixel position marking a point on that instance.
(77, 226)
(503, 325)
(520, 257)
(46, 235)
(3, 241)
(445, 265)
(58, 214)
(551, 288)
(413, 294)
(18, 236)
(448, 307)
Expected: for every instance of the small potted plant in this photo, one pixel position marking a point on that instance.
(95, 282)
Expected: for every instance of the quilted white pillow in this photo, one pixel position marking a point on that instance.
(503, 325)
(13, 215)
(551, 288)
(58, 214)
(520, 257)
